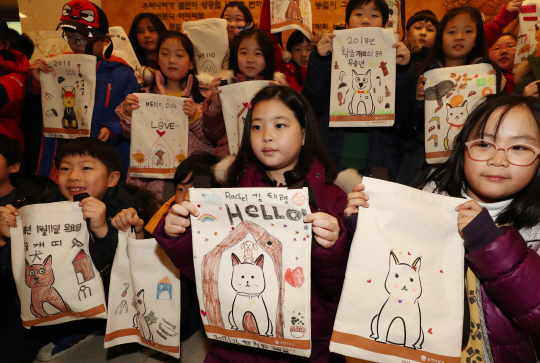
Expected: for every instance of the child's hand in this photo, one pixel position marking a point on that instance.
(216, 101)
(8, 219)
(326, 45)
(40, 65)
(177, 221)
(97, 212)
(278, 82)
(514, 6)
(356, 198)
(531, 89)
(420, 93)
(190, 108)
(105, 134)
(467, 212)
(127, 218)
(130, 103)
(325, 228)
(403, 55)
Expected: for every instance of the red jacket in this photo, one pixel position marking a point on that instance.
(327, 274)
(13, 76)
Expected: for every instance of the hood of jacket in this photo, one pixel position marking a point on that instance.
(20, 65)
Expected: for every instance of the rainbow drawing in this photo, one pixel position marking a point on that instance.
(207, 218)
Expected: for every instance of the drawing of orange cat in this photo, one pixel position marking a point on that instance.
(39, 278)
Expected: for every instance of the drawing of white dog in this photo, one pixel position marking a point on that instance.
(361, 101)
(249, 312)
(404, 289)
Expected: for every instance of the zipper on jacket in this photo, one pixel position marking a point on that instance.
(108, 94)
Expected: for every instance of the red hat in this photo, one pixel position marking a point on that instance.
(84, 17)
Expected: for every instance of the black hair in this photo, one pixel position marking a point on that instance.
(379, 4)
(21, 43)
(423, 15)
(10, 149)
(312, 149)
(95, 148)
(248, 18)
(512, 35)
(524, 210)
(199, 164)
(479, 49)
(159, 27)
(188, 47)
(267, 48)
(297, 37)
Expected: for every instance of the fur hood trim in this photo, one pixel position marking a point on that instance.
(347, 179)
(287, 56)
(220, 170)
(279, 75)
(206, 78)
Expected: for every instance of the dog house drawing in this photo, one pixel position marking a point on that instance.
(82, 264)
(210, 267)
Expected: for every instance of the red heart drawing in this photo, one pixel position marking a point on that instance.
(295, 277)
(160, 133)
(369, 281)
(245, 104)
(429, 331)
(409, 253)
(441, 271)
(203, 313)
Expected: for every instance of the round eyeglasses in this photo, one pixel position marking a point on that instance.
(73, 40)
(518, 154)
(499, 47)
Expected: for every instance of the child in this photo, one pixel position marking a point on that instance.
(114, 81)
(349, 147)
(13, 75)
(503, 53)
(251, 58)
(420, 34)
(238, 18)
(280, 147)
(176, 76)
(143, 35)
(88, 165)
(494, 166)
(299, 47)
(459, 41)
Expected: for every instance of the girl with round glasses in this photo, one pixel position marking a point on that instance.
(494, 166)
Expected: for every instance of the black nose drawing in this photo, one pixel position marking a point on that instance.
(36, 278)
(361, 85)
(247, 284)
(404, 288)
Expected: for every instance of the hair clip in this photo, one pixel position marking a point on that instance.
(240, 29)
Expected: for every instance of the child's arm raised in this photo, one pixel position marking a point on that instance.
(326, 45)
(177, 221)
(127, 218)
(130, 103)
(96, 211)
(403, 55)
(40, 65)
(8, 219)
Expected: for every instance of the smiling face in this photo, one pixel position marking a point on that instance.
(84, 174)
(147, 36)
(367, 15)
(496, 179)
(422, 33)
(503, 52)
(174, 61)
(250, 58)
(300, 53)
(235, 18)
(276, 137)
(458, 39)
